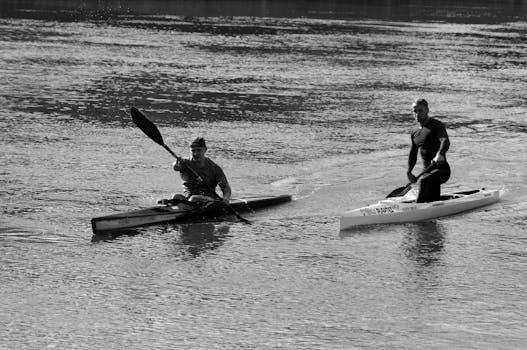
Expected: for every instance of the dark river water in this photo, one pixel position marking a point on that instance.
(315, 103)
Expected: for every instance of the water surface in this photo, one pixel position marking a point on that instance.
(315, 107)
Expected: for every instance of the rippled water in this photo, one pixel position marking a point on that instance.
(318, 108)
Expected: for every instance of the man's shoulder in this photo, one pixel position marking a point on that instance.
(212, 164)
(435, 122)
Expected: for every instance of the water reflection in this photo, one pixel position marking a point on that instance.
(424, 242)
(194, 237)
(112, 235)
(199, 237)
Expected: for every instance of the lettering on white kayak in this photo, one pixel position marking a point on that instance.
(377, 211)
(411, 208)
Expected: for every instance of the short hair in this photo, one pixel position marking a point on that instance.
(421, 101)
(198, 142)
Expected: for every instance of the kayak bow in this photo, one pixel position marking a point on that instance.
(175, 213)
(403, 209)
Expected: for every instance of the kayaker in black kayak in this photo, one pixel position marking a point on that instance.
(195, 189)
(431, 140)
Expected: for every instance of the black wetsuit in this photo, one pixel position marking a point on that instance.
(427, 140)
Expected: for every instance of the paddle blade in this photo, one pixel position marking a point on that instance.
(149, 128)
(400, 191)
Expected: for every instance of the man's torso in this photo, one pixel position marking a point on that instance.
(209, 172)
(427, 138)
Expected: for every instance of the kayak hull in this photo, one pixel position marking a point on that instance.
(399, 210)
(175, 213)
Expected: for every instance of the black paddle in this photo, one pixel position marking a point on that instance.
(151, 130)
(401, 191)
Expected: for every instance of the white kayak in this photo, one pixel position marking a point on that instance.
(405, 209)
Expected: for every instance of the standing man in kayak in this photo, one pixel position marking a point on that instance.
(198, 189)
(431, 141)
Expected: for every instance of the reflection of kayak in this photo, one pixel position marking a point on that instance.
(404, 209)
(175, 213)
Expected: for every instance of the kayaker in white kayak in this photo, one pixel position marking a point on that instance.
(431, 141)
(195, 189)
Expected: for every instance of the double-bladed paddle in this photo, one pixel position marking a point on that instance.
(151, 130)
(401, 191)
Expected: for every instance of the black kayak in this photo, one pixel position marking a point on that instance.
(180, 213)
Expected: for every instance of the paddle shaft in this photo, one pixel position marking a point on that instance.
(172, 153)
(401, 191)
(151, 130)
(425, 170)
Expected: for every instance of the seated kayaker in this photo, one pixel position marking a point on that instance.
(199, 189)
(431, 141)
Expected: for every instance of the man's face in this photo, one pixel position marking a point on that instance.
(420, 112)
(198, 152)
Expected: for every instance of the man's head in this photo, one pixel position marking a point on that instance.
(198, 147)
(420, 111)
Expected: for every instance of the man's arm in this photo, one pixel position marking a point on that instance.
(442, 135)
(223, 183)
(443, 148)
(226, 190)
(412, 159)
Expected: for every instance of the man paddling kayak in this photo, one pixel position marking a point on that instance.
(198, 189)
(431, 141)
